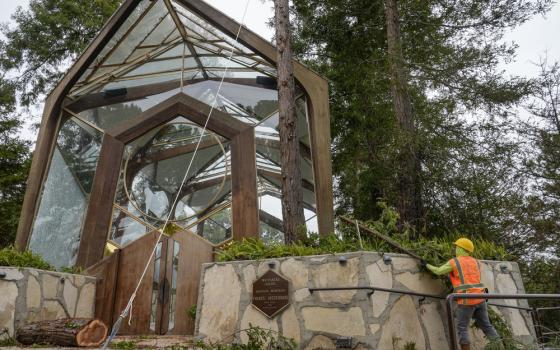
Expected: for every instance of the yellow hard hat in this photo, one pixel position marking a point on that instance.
(466, 244)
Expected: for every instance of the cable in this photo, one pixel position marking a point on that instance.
(127, 310)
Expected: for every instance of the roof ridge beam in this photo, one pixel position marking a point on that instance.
(184, 35)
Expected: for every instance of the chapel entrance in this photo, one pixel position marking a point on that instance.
(166, 294)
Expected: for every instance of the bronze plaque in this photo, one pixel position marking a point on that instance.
(271, 293)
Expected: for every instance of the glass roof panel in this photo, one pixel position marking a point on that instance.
(208, 31)
(147, 23)
(247, 103)
(128, 23)
(161, 32)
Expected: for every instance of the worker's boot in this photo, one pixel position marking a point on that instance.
(465, 347)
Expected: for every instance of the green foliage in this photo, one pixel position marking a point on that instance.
(6, 340)
(409, 346)
(76, 270)
(259, 339)
(14, 258)
(123, 345)
(451, 51)
(191, 312)
(72, 325)
(436, 250)
(46, 38)
(14, 164)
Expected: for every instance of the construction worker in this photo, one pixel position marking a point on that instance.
(464, 273)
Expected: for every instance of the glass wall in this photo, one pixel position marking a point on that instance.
(269, 174)
(154, 186)
(58, 222)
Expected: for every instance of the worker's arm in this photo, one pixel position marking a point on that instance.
(442, 270)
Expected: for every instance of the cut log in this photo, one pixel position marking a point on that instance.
(83, 332)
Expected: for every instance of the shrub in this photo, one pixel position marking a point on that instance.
(11, 257)
(435, 250)
(259, 339)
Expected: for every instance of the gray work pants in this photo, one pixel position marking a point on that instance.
(479, 313)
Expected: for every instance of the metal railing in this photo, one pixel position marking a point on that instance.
(449, 303)
(542, 331)
(377, 289)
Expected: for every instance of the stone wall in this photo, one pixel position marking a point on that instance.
(382, 321)
(28, 295)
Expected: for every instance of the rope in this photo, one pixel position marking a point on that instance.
(128, 309)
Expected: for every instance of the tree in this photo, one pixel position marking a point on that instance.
(292, 194)
(542, 164)
(14, 165)
(408, 173)
(460, 101)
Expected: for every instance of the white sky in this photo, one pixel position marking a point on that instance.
(535, 38)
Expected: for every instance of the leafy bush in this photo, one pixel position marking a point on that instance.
(259, 339)
(11, 257)
(435, 250)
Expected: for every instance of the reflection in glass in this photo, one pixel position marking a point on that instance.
(126, 229)
(269, 174)
(56, 230)
(250, 104)
(155, 287)
(153, 169)
(173, 292)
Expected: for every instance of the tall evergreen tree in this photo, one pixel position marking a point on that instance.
(459, 98)
(292, 194)
(14, 163)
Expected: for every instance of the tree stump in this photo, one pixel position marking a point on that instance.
(82, 332)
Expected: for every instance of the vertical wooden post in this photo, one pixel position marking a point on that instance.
(292, 194)
(244, 185)
(100, 208)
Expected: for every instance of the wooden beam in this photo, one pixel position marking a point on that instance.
(179, 105)
(244, 186)
(101, 99)
(271, 220)
(100, 208)
(304, 183)
(184, 35)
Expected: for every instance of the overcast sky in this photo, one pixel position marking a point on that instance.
(535, 38)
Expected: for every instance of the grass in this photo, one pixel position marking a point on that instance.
(123, 345)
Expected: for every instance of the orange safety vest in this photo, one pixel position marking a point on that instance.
(465, 278)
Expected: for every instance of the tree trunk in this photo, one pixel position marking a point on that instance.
(292, 196)
(409, 202)
(64, 332)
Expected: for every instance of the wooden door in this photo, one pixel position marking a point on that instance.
(132, 261)
(186, 252)
(169, 288)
